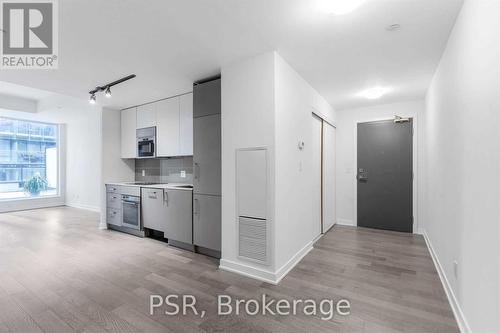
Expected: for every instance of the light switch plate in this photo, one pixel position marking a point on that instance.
(144, 173)
(183, 174)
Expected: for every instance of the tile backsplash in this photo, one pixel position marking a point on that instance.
(164, 170)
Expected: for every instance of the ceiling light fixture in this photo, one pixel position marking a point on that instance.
(374, 93)
(341, 7)
(393, 27)
(107, 88)
(108, 92)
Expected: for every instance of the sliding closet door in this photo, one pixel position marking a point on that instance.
(329, 209)
(316, 173)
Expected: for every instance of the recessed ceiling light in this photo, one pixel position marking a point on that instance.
(393, 27)
(375, 92)
(341, 7)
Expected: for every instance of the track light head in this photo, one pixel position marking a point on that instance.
(107, 88)
(108, 92)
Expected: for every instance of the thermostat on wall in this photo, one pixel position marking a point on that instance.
(301, 145)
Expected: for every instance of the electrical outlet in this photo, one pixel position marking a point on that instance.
(183, 174)
(455, 269)
(144, 173)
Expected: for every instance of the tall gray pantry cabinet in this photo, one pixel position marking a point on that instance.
(207, 166)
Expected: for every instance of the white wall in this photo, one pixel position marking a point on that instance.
(295, 226)
(83, 144)
(247, 121)
(346, 170)
(462, 150)
(265, 103)
(81, 155)
(113, 168)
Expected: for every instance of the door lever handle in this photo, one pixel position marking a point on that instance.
(361, 177)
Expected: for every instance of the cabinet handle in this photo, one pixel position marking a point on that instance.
(196, 207)
(196, 171)
(165, 196)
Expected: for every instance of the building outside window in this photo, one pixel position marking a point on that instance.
(28, 159)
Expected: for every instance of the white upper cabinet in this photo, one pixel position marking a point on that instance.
(128, 138)
(173, 118)
(186, 125)
(167, 127)
(146, 115)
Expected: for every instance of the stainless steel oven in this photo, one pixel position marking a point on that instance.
(146, 142)
(131, 212)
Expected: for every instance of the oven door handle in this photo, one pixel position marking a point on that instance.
(132, 203)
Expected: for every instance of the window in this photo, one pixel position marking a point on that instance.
(28, 159)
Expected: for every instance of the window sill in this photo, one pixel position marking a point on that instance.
(41, 197)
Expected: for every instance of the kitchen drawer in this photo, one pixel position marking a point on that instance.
(124, 189)
(114, 200)
(114, 216)
(113, 189)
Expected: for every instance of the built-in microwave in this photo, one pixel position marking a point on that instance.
(146, 142)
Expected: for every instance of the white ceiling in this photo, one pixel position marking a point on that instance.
(170, 44)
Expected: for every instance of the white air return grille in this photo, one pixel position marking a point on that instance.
(253, 239)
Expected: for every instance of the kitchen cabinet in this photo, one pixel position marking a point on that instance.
(173, 119)
(167, 127)
(207, 221)
(113, 205)
(153, 209)
(207, 98)
(186, 125)
(179, 215)
(146, 115)
(114, 216)
(207, 155)
(128, 137)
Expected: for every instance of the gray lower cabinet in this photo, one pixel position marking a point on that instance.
(179, 215)
(153, 209)
(113, 205)
(207, 155)
(114, 216)
(207, 221)
(114, 200)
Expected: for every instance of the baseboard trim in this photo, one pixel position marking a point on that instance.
(262, 274)
(86, 207)
(246, 270)
(286, 268)
(346, 222)
(455, 306)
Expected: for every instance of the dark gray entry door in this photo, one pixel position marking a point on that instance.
(385, 175)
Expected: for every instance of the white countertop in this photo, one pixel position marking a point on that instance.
(170, 186)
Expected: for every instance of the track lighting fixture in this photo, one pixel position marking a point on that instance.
(108, 92)
(107, 88)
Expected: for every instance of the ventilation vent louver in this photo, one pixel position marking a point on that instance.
(253, 239)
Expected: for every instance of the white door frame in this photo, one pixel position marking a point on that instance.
(414, 167)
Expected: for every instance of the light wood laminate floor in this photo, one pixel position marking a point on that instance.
(59, 273)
